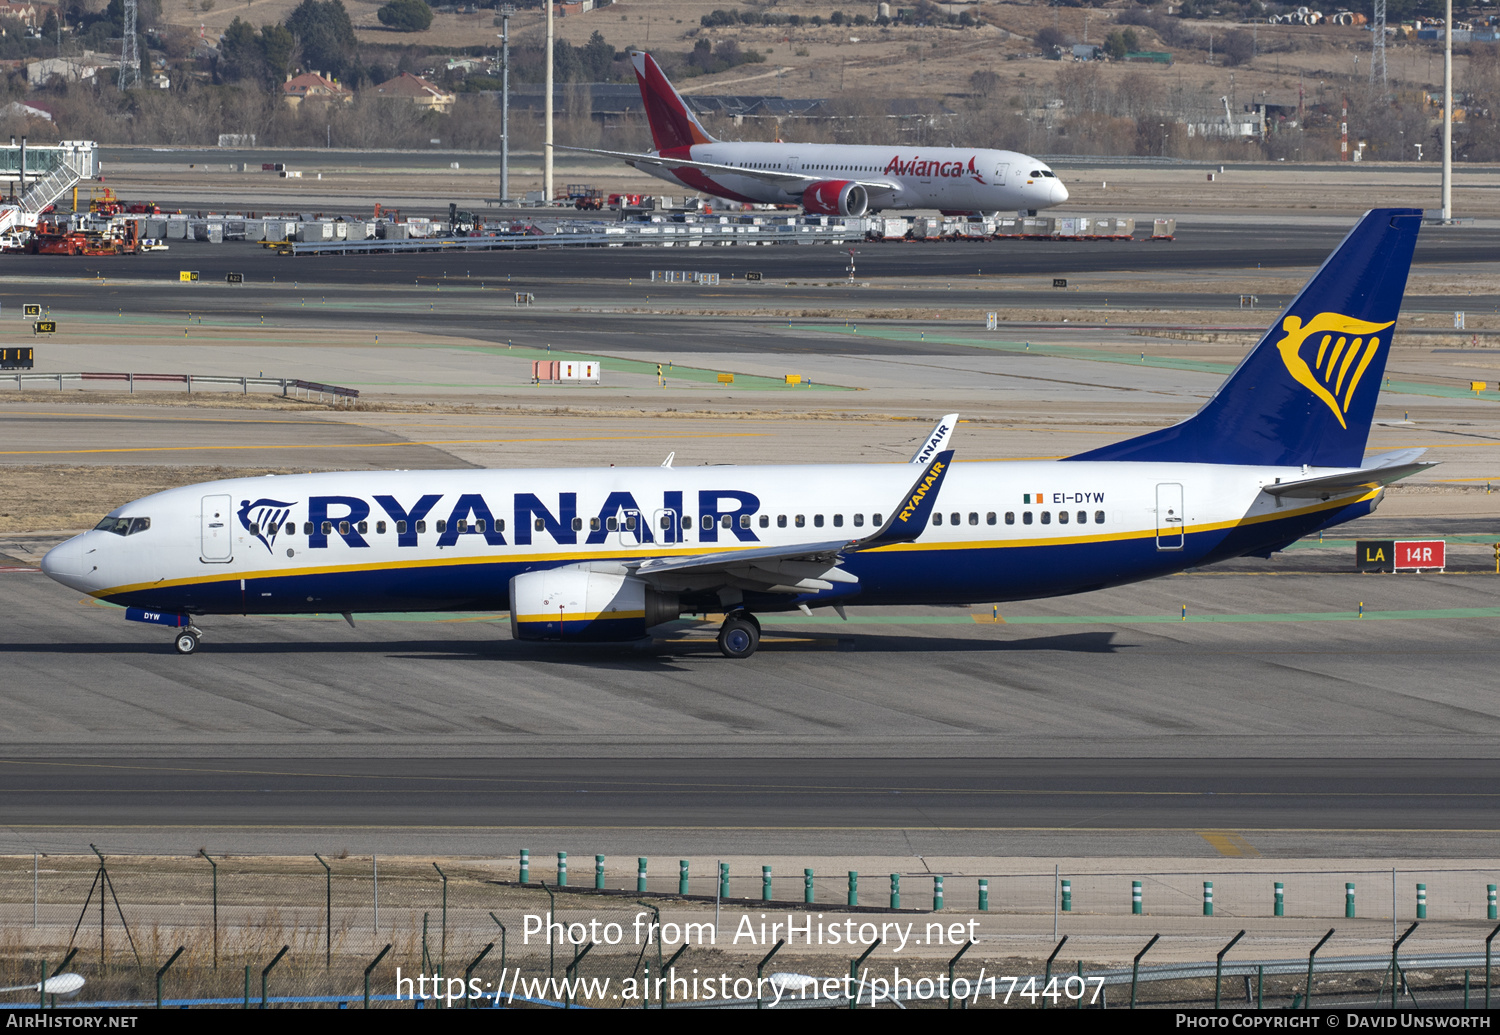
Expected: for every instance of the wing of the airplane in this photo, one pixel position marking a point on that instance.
(1378, 471)
(789, 181)
(800, 567)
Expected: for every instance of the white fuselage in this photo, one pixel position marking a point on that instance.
(451, 540)
(953, 179)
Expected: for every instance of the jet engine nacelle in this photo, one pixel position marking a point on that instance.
(836, 198)
(575, 603)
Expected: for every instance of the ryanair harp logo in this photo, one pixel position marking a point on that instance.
(1328, 355)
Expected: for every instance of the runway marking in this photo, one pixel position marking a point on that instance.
(20, 570)
(370, 445)
(1229, 844)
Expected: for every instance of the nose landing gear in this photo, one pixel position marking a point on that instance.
(187, 640)
(739, 636)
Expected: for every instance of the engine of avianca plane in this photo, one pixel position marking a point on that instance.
(830, 179)
(610, 554)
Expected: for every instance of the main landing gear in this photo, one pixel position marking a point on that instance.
(739, 636)
(187, 639)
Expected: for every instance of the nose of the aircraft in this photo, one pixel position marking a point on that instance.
(67, 562)
(1059, 192)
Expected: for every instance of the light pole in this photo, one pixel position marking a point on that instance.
(506, 10)
(1163, 139)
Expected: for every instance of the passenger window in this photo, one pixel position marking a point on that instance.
(327, 527)
(726, 521)
(937, 518)
(765, 521)
(500, 525)
(1010, 517)
(973, 517)
(539, 524)
(630, 522)
(1046, 517)
(687, 521)
(1083, 517)
(838, 521)
(307, 528)
(479, 524)
(799, 521)
(1098, 517)
(462, 524)
(442, 525)
(364, 526)
(421, 527)
(954, 518)
(594, 524)
(1025, 517)
(380, 528)
(612, 524)
(744, 520)
(780, 520)
(1062, 517)
(254, 529)
(400, 527)
(817, 520)
(666, 521)
(577, 525)
(875, 520)
(343, 528)
(989, 519)
(859, 520)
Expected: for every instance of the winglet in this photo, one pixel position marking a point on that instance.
(937, 439)
(910, 518)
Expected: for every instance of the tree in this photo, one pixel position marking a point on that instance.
(326, 35)
(405, 16)
(240, 55)
(1239, 47)
(276, 47)
(1052, 41)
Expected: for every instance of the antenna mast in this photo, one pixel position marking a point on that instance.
(1377, 55)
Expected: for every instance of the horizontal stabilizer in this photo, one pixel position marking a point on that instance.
(1348, 483)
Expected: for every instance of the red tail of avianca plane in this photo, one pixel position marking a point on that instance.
(830, 179)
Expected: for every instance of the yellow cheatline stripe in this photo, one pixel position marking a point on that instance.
(367, 445)
(579, 616)
(438, 562)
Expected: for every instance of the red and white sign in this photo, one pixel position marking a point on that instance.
(1417, 555)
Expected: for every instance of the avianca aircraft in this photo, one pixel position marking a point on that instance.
(609, 554)
(831, 179)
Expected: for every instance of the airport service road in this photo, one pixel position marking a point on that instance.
(1207, 246)
(1078, 722)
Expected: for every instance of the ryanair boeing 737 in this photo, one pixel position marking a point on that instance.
(609, 554)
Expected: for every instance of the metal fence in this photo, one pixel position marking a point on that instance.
(292, 931)
(288, 386)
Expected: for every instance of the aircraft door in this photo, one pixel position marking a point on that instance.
(218, 544)
(1170, 518)
(668, 525)
(1000, 171)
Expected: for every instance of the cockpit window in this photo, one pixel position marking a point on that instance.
(123, 526)
(1042, 173)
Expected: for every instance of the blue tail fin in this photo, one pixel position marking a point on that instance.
(1306, 393)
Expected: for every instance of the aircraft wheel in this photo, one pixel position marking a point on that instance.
(739, 636)
(187, 641)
